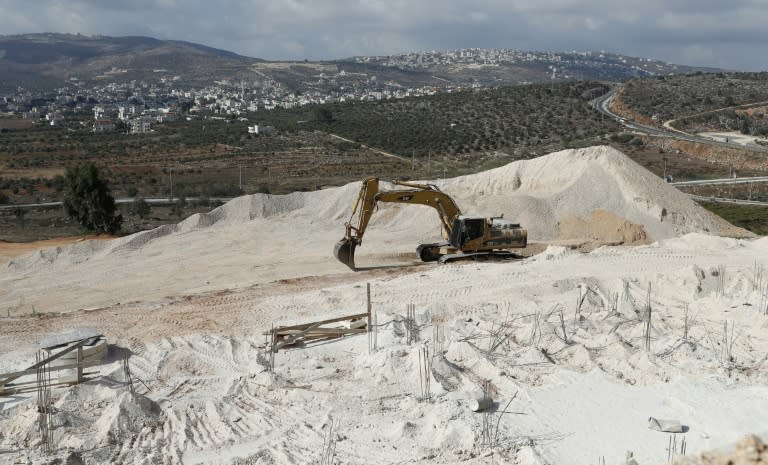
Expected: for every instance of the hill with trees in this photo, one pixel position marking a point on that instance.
(671, 97)
(519, 118)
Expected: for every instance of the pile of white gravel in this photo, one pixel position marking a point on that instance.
(594, 195)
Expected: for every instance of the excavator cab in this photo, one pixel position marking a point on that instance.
(465, 230)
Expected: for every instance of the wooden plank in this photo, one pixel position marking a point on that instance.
(60, 380)
(5, 379)
(285, 336)
(292, 339)
(323, 322)
(316, 336)
(20, 390)
(322, 331)
(32, 371)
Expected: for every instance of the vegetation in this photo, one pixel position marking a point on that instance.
(463, 122)
(670, 97)
(88, 201)
(752, 218)
(458, 133)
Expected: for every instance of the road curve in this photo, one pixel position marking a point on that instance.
(602, 105)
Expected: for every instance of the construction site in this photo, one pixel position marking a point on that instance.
(568, 309)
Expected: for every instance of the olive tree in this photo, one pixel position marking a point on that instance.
(87, 200)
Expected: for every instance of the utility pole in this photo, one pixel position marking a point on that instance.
(413, 155)
(170, 174)
(429, 163)
(241, 176)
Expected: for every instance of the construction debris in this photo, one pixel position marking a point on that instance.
(665, 426)
(61, 354)
(286, 336)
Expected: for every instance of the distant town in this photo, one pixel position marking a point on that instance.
(136, 106)
(561, 65)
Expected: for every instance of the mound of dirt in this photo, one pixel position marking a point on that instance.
(750, 450)
(595, 195)
(549, 193)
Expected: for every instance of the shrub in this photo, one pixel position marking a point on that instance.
(87, 200)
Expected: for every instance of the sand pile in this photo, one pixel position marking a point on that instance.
(581, 381)
(92, 416)
(748, 451)
(595, 195)
(601, 188)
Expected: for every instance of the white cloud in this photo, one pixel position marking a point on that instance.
(700, 32)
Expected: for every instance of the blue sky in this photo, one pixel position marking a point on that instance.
(728, 34)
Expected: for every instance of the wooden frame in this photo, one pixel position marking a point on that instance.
(285, 336)
(8, 388)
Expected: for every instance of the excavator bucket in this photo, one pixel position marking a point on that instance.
(344, 251)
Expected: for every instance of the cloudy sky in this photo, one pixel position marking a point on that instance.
(720, 33)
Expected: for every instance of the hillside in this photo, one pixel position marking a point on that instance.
(671, 97)
(47, 61)
(519, 118)
(40, 60)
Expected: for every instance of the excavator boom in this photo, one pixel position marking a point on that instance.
(370, 195)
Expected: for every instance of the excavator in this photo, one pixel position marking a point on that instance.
(465, 236)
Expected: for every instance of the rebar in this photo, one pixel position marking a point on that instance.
(720, 281)
(329, 446)
(127, 374)
(373, 327)
(648, 325)
(44, 410)
(411, 330)
(425, 368)
(485, 432)
(438, 338)
(758, 275)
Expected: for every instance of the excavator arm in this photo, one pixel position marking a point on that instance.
(417, 194)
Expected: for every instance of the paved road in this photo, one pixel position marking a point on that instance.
(702, 198)
(602, 104)
(713, 182)
(154, 201)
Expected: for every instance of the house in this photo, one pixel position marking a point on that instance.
(55, 118)
(141, 125)
(103, 125)
(32, 114)
(166, 116)
(101, 112)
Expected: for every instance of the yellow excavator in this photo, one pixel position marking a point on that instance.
(465, 236)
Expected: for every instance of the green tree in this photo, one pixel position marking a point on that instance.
(745, 127)
(322, 115)
(87, 200)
